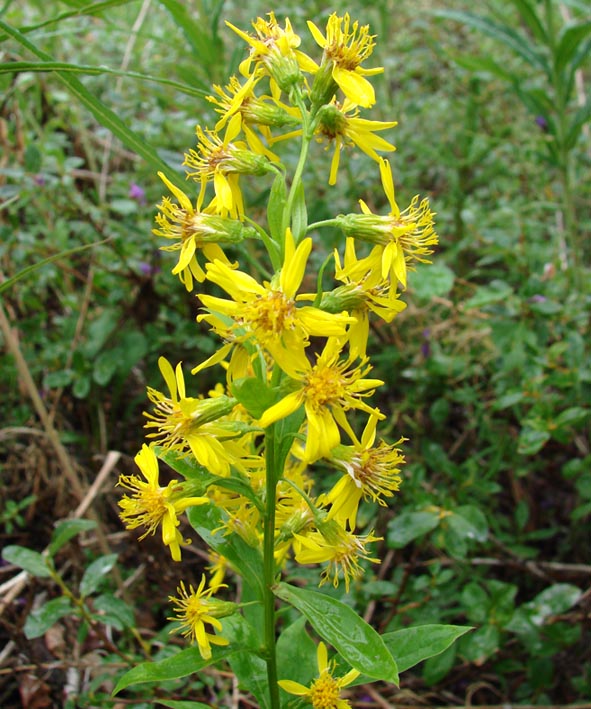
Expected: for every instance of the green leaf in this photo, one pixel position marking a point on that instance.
(205, 48)
(531, 440)
(20, 67)
(296, 654)
(207, 521)
(470, 522)
(175, 704)
(299, 220)
(105, 366)
(573, 416)
(570, 40)
(553, 600)
(580, 118)
(131, 348)
(67, 529)
(495, 292)
(275, 207)
(517, 43)
(183, 664)
(410, 646)
(483, 643)
(356, 641)
(41, 619)
(254, 395)
(527, 11)
(31, 561)
(113, 611)
(104, 115)
(95, 573)
(186, 466)
(482, 64)
(431, 281)
(437, 667)
(39, 264)
(409, 525)
(247, 665)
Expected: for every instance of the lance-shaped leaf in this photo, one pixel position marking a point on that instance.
(356, 641)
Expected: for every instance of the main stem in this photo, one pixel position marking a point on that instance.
(272, 475)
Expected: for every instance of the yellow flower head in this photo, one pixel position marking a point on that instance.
(192, 230)
(341, 125)
(195, 608)
(402, 237)
(340, 549)
(274, 51)
(364, 290)
(327, 390)
(151, 505)
(201, 425)
(345, 47)
(223, 161)
(325, 690)
(372, 473)
(267, 313)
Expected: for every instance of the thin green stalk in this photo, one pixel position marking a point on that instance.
(272, 475)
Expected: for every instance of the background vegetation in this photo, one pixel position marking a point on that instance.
(488, 368)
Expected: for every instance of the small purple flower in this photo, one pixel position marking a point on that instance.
(542, 123)
(39, 180)
(137, 193)
(538, 298)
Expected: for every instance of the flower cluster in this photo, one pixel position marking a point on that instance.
(295, 363)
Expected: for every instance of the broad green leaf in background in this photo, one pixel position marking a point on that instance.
(296, 654)
(409, 525)
(432, 281)
(66, 530)
(113, 611)
(410, 646)
(246, 663)
(41, 619)
(95, 573)
(31, 561)
(356, 641)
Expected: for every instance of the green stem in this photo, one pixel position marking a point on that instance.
(307, 133)
(324, 222)
(272, 475)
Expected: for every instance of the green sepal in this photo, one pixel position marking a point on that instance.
(356, 641)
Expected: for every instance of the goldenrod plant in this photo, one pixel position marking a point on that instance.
(295, 395)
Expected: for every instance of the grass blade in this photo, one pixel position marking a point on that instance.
(13, 67)
(103, 114)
